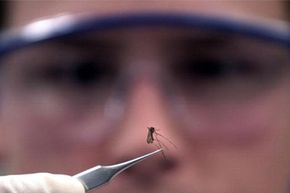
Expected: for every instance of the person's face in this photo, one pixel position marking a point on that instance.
(61, 105)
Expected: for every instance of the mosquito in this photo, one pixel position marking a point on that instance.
(152, 135)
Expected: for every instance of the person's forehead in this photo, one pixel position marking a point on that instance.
(24, 11)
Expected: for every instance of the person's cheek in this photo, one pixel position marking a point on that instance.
(54, 142)
(240, 147)
(240, 123)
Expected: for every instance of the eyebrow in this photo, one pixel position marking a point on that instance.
(208, 40)
(88, 43)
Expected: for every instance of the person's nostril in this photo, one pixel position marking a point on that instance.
(156, 166)
(148, 173)
(167, 164)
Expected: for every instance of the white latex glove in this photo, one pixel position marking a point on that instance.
(40, 183)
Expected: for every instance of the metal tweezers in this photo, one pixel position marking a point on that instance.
(99, 175)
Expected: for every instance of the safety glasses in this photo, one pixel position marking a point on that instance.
(61, 26)
(72, 68)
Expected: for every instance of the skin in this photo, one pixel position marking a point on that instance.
(257, 160)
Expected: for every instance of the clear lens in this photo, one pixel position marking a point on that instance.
(222, 80)
(64, 81)
(227, 67)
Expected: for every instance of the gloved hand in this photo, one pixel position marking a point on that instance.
(40, 183)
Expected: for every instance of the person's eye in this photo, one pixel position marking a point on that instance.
(87, 74)
(213, 70)
(80, 74)
(204, 69)
(209, 77)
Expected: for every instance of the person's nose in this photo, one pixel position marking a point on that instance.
(146, 108)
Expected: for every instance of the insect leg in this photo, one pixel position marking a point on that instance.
(158, 134)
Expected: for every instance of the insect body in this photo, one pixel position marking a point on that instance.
(152, 136)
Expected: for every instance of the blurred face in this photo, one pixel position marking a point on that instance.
(83, 101)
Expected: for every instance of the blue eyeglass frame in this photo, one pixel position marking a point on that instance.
(279, 32)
